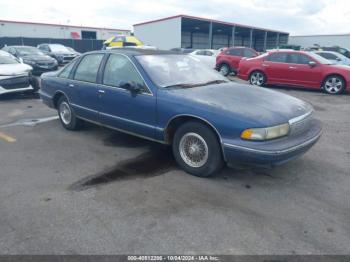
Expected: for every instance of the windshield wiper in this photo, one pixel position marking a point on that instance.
(185, 85)
(213, 82)
(181, 85)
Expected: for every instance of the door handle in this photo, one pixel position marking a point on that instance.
(265, 65)
(101, 91)
(71, 85)
(292, 67)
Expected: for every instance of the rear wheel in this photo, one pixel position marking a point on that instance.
(197, 150)
(224, 69)
(334, 85)
(67, 115)
(257, 78)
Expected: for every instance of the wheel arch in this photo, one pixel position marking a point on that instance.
(57, 97)
(175, 122)
(334, 74)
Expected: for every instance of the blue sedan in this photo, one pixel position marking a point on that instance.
(175, 100)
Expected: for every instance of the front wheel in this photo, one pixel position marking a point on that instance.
(257, 78)
(197, 150)
(334, 85)
(67, 115)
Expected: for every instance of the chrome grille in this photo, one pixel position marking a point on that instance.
(300, 124)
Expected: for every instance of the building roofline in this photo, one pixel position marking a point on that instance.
(75, 26)
(348, 34)
(209, 20)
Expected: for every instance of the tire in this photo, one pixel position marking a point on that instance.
(35, 83)
(257, 78)
(203, 139)
(67, 116)
(224, 69)
(334, 85)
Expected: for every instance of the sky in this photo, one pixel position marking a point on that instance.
(299, 17)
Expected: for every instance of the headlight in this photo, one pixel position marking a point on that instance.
(265, 133)
(29, 62)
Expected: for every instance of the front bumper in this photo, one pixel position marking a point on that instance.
(273, 152)
(14, 84)
(15, 90)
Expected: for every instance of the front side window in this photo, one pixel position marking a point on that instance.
(119, 70)
(298, 59)
(248, 53)
(88, 68)
(66, 70)
(277, 57)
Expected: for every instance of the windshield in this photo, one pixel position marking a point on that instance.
(319, 58)
(6, 59)
(27, 50)
(178, 70)
(58, 48)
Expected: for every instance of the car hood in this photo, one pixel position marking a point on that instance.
(14, 69)
(255, 104)
(37, 58)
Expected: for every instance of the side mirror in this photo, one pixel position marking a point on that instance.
(338, 59)
(131, 86)
(312, 63)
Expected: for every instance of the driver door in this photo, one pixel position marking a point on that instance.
(121, 108)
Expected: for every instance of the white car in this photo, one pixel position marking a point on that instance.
(14, 75)
(206, 56)
(334, 57)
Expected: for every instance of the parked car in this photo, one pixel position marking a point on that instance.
(338, 49)
(34, 57)
(172, 99)
(122, 41)
(73, 50)
(59, 52)
(206, 56)
(227, 61)
(14, 76)
(182, 50)
(295, 68)
(205, 52)
(334, 57)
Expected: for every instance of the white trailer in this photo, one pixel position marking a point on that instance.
(342, 40)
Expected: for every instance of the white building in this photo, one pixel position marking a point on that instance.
(342, 40)
(41, 30)
(195, 32)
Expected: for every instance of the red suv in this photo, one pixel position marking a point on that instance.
(295, 68)
(228, 60)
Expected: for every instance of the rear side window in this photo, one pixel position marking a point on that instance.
(277, 57)
(88, 68)
(119, 69)
(235, 52)
(66, 70)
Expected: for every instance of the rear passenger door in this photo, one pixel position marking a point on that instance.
(234, 56)
(83, 87)
(276, 68)
(120, 108)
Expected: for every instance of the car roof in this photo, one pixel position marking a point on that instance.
(19, 46)
(136, 51)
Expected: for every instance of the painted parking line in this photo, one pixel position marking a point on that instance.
(7, 138)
